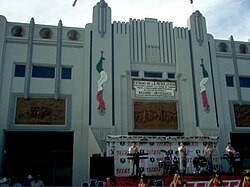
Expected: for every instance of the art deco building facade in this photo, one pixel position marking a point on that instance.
(63, 90)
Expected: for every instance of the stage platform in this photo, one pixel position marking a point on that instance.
(196, 180)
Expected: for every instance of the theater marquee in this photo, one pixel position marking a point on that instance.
(153, 88)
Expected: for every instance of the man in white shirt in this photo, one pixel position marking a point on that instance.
(182, 157)
(134, 161)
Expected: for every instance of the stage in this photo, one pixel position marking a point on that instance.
(196, 180)
(158, 150)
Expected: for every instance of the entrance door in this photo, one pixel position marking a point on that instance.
(48, 154)
(240, 142)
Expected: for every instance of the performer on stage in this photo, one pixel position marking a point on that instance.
(134, 162)
(232, 155)
(182, 158)
(208, 151)
(230, 149)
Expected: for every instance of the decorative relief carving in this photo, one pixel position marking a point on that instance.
(242, 115)
(102, 17)
(45, 33)
(199, 27)
(17, 31)
(40, 111)
(223, 47)
(73, 35)
(155, 115)
(152, 53)
(243, 48)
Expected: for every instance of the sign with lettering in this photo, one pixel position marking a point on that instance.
(42, 111)
(154, 88)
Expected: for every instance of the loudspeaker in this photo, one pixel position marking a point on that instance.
(101, 167)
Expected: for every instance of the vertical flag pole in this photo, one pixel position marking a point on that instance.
(74, 3)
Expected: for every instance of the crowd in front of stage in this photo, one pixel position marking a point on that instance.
(32, 181)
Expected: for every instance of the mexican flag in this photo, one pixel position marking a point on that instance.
(203, 87)
(103, 78)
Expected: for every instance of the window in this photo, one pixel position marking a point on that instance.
(171, 75)
(230, 81)
(153, 74)
(134, 73)
(43, 72)
(244, 82)
(19, 71)
(66, 73)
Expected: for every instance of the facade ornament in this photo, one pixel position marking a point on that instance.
(198, 27)
(102, 17)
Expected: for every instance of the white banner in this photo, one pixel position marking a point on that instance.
(153, 88)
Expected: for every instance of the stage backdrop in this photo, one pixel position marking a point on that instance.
(155, 147)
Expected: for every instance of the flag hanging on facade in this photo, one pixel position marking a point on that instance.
(100, 82)
(203, 87)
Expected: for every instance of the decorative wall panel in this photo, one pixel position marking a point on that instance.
(155, 115)
(42, 111)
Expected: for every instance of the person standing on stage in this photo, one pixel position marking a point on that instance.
(134, 161)
(208, 151)
(230, 149)
(182, 158)
(231, 153)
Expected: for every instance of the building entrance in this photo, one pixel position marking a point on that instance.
(48, 154)
(240, 142)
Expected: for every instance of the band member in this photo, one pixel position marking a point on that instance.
(182, 158)
(208, 151)
(230, 149)
(134, 161)
(231, 153)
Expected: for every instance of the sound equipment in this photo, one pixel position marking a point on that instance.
(200, 161)
(101, 167)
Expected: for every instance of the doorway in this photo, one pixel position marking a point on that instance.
(240, 142)
(48, 154)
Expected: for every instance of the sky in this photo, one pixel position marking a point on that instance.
(223, 17)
